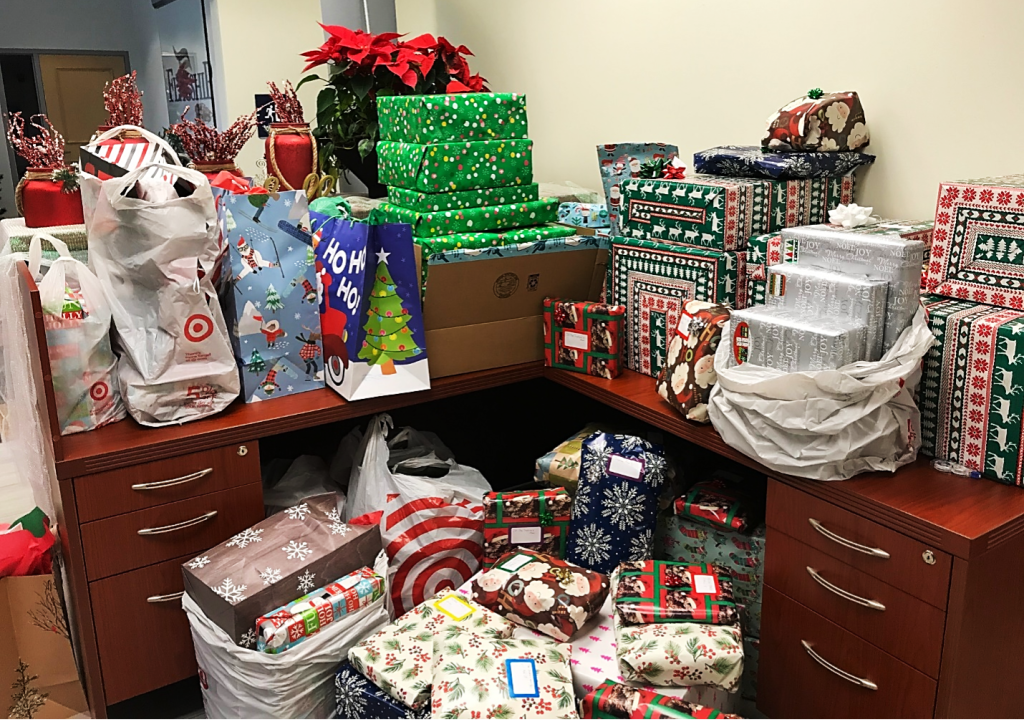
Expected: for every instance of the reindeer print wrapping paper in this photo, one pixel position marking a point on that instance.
(460, 116)
(686, 380)
(656, 591)
(971, 394)
(583, 336)
(619, 701)
(542, 592)
(459, 200)
(819, 121)
(535, 520)
(749, 161)
(469, 220)
(270, 293)
(400, 659)
(455, 165)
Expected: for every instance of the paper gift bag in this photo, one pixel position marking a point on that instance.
(370, 312)
(621, 161)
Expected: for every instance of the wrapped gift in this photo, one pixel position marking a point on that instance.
(818, 122)
(510, 237)
(356, 697)
(542, 592)
(15, 232)
(400, 658)
(813, 292)
(484, 678)
(455, 165)
(788, 341)
(291, 623)
(271, 563)
(714, 502)
(653, 280)
(561, 465)
(884, 256)
(459, 116)
(619, 701)
(808, 201)
(749, 161)
(583, 215)
(657, 591)
(615, 507)
(468, 220)
(706, 212)
(583, 336)
(686, 380)
(536, 520)
(751, 657)
(621, 161)
(970, 400)
(459, 200)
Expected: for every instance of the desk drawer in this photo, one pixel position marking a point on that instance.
(132, 488)
(883, 553)
(903, 625)
(793, 683)
(115, 545)
(143, 645)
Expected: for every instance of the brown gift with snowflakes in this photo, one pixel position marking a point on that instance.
(275, 562)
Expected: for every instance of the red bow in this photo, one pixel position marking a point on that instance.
(674, 173)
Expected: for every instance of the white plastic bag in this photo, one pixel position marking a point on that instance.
(827, 425)
(156, 262)
(76, 316)
(240, 683)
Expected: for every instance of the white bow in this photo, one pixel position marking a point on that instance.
(850, 216)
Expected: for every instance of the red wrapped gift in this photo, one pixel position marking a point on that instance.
(652, 592)
(537, 520)
(715, 503)
(819, 122)
(620, 701)
(583, 336)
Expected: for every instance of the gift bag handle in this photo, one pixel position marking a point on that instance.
(118, 186)
(35, 251)
(151, 137)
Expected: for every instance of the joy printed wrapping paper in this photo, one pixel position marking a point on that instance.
(657, 591)
(686, 380)
(535, 520)
(583, 336)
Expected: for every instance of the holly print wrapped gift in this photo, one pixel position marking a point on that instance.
(459, 116)
(455, 165)
(468, 220)
(583, 336)
(458, 200)
(616, 504)
(684, 654)
(536, 520)
(655, 591)
(484, 678)
(400, 658)
(619, 701)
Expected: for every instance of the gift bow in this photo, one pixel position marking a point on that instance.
(676, 170)
(231, 182)
(850, 216)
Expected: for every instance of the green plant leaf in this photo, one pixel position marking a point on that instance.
(326, 108)
(361, 85)
(366, 147)
(307, 79)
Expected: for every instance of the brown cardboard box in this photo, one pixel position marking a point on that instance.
(487, 313)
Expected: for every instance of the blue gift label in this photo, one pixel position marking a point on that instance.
(522, 678)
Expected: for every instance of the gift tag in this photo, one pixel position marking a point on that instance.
(349, 582)
(777, 284)
(513, 564)
(519, 535)
(741, 342)
(577, 340)
(454, 607)
(626, 468)
(705, 584)
(683, 329)
(522, 678)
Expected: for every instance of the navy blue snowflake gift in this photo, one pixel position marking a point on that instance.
(356, 697)
(616, 504)
(748, 161)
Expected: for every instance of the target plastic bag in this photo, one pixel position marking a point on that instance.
(76, 316)
(156, 260)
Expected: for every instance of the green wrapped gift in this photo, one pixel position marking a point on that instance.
(497, 238)
(455, 166)
(462, 116)
(485, 218)
(457, 200)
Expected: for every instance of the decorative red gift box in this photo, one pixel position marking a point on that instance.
(583, 336)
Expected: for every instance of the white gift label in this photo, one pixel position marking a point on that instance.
(522, 678)
(350, 582)
(684, 325)
(513, 564)
(525, 535)
(705, 584)
(621, 466)
(575, 339)
(453, 607)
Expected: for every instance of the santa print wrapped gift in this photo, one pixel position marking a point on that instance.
(621, 161)
(537, 520)
(687, 378)
(715, 503)
(583, 336)
(615, 508)
(270, 292)
(272, 563)
(820, 122)
(620, 701)
(400, 659)
(356, 697)
(654, 591)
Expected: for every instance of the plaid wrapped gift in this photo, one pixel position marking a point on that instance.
(655, 591)
(459, 200)
(455, 165)
(458, 116)
(750, 161)
(536, 520)
(583, 336)
(561, 465)
(715, 503)
(483, 218)
(619, 701)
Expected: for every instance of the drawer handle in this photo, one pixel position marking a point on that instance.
(852, 678)
(839, 592)
(160, 598)
(180, 525)
(870, 551)
(172, 482)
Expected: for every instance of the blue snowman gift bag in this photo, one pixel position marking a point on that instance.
(616, 504)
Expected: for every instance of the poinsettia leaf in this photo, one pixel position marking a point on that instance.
(454, 86)
(409, 77)
(421, 42)
(307, 79)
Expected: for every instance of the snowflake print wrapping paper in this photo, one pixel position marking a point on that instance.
(275, 562)
(616, 503)
(748, 161)
(356, 697)
(471, 679)
(400, 658)
(542, 592)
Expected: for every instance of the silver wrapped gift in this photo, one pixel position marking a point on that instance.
(886, 257)
(817, 293)
(791, 342)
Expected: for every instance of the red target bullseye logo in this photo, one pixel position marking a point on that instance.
(198, 328)
(99, 391)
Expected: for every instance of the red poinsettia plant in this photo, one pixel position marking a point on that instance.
(364, 67)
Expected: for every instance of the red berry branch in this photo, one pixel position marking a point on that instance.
(123, 101)
(206, 144)
(45, 149)
(286, 103)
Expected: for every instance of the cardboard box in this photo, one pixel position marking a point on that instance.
(487, 310)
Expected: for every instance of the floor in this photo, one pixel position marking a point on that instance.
(182, 700)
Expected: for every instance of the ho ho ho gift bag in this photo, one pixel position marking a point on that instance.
(155, 256)
(370, 316)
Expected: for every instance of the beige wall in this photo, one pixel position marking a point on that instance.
(939, 79)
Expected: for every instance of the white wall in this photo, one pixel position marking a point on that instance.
(937, 78)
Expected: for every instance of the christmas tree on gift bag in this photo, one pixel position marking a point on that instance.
(388, 338)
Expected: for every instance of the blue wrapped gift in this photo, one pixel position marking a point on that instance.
(583, 215)
(749, 161)
(356, 697)
(616, 504)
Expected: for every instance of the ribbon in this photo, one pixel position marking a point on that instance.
(850, 216)
(676, 170)
(814, 93)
